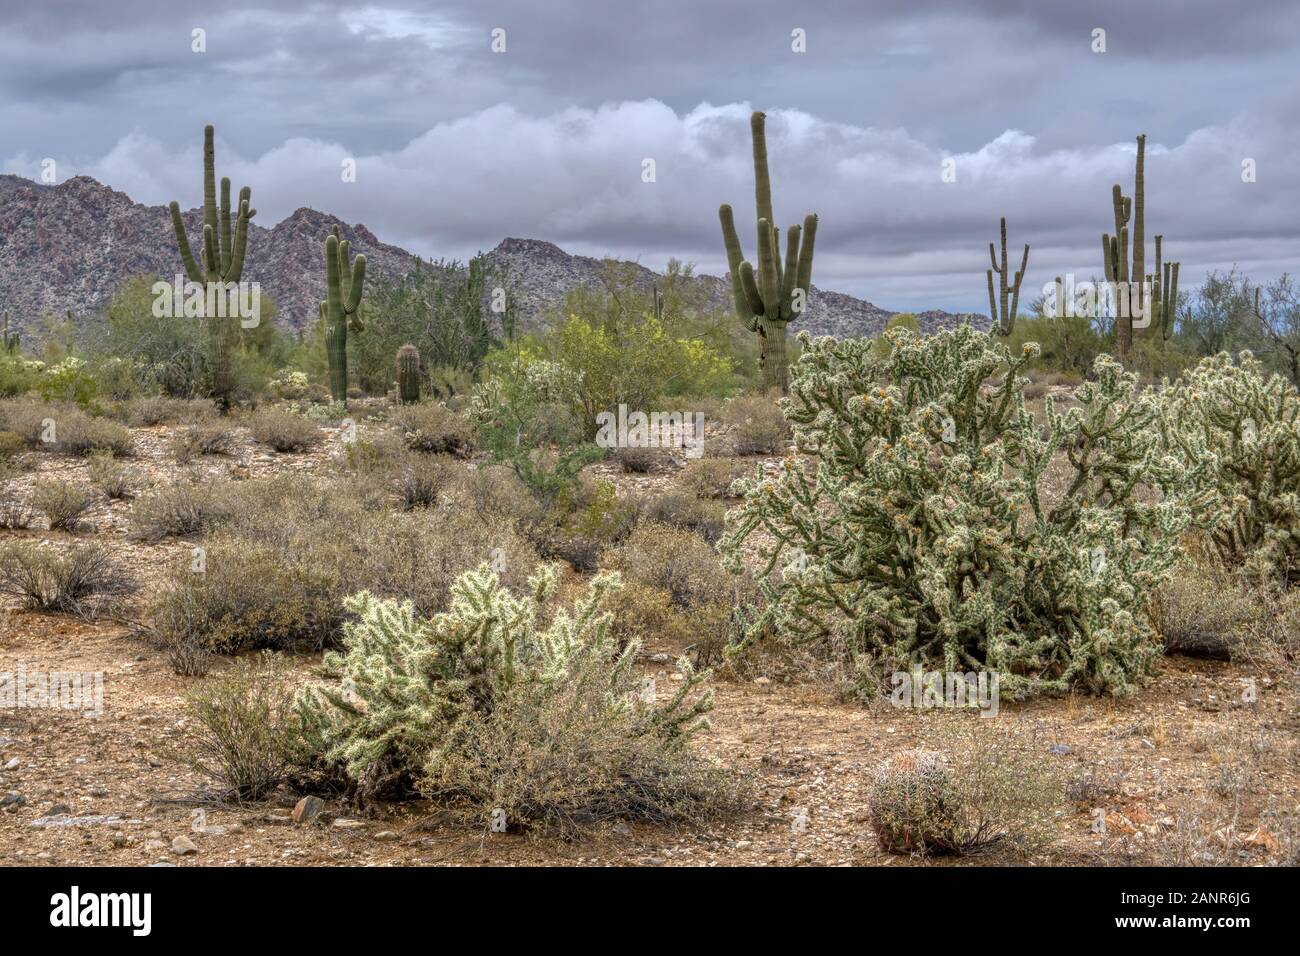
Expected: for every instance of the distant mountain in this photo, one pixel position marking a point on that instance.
(71, 245)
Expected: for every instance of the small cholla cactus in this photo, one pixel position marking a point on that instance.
(927, 535)
(1243, 430)
(408, 374)
(407, 693)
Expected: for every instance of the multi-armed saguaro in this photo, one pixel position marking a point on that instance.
(342, 308)
(767, 303)
(1002, 311)
(8, 340)
(1132, 286)
(224, 245)
(408, 374)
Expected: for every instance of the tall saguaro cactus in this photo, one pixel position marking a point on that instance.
(1164, 294)
(1001, 311)
(224, 245)
(768, 301)
(9, 341)
(341, 309)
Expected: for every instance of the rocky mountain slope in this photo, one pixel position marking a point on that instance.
(69, 247)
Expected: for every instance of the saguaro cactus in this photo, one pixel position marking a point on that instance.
(342, 308)
(224, 246)
(1164, 294)
(1001, 311)
(408, 374)
(768, 302)
(9, 340)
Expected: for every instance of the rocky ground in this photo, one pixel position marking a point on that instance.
(1202, 768)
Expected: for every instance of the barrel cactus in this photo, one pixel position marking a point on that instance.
(928, 531)
(408, 374)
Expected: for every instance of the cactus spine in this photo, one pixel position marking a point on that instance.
(1001, 311)
(224, 246)
(408, 374)
(9, 340)
(342, 308)
(767, 301)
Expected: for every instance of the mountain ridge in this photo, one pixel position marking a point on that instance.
(70, 245)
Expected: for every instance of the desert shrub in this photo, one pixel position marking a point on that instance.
(679, 510)
(81, 434)
(246, 598)
(203, 438)
(756, 426)
(14, 513)
(971, 798)
(1205, 610)
(433, 429)
(11, 446)
(62, 502)
(25, 418)
(80, 581)
(289, 384)
(68, 381)
(1068, 344)
(245, 728)
(152, 410)
(640, 461)
(18, 375)
(110, 476)
(677, 561)
(924, 535)
(179, 510)
(283, 431)
(492, 707)
(710, 477)
(1238, 433)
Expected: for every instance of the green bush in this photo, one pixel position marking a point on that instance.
(180, 510)
(756, 426)
(432, 429)
(62, 502)
(492, 708)
(283, 431)
(926, 534)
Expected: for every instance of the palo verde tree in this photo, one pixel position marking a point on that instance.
(224, 246)
(768, 301)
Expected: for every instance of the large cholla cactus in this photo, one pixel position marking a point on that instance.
(930, 532)
(767, 302)
(341, 310)
(224, 248)
(1243, 430)
(412, 697)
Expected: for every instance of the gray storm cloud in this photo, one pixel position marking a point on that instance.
(457, 148)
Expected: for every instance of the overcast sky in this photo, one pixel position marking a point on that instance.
(457, 146)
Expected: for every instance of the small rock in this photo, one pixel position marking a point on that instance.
(342, 823)
(308, 809)
(743, 844)
(184, 846)
(386, 835)
(656, 861)
(12, 801)
(12, 764)
(1061, 749)
(57, 809)
(162, 863)
(154, 845)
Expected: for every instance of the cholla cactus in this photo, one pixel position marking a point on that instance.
(1244, 431)
(927, 533)
(407, 691)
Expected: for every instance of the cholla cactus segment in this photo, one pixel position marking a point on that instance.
(1242, 430)
(927, 531)
(405, 691)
